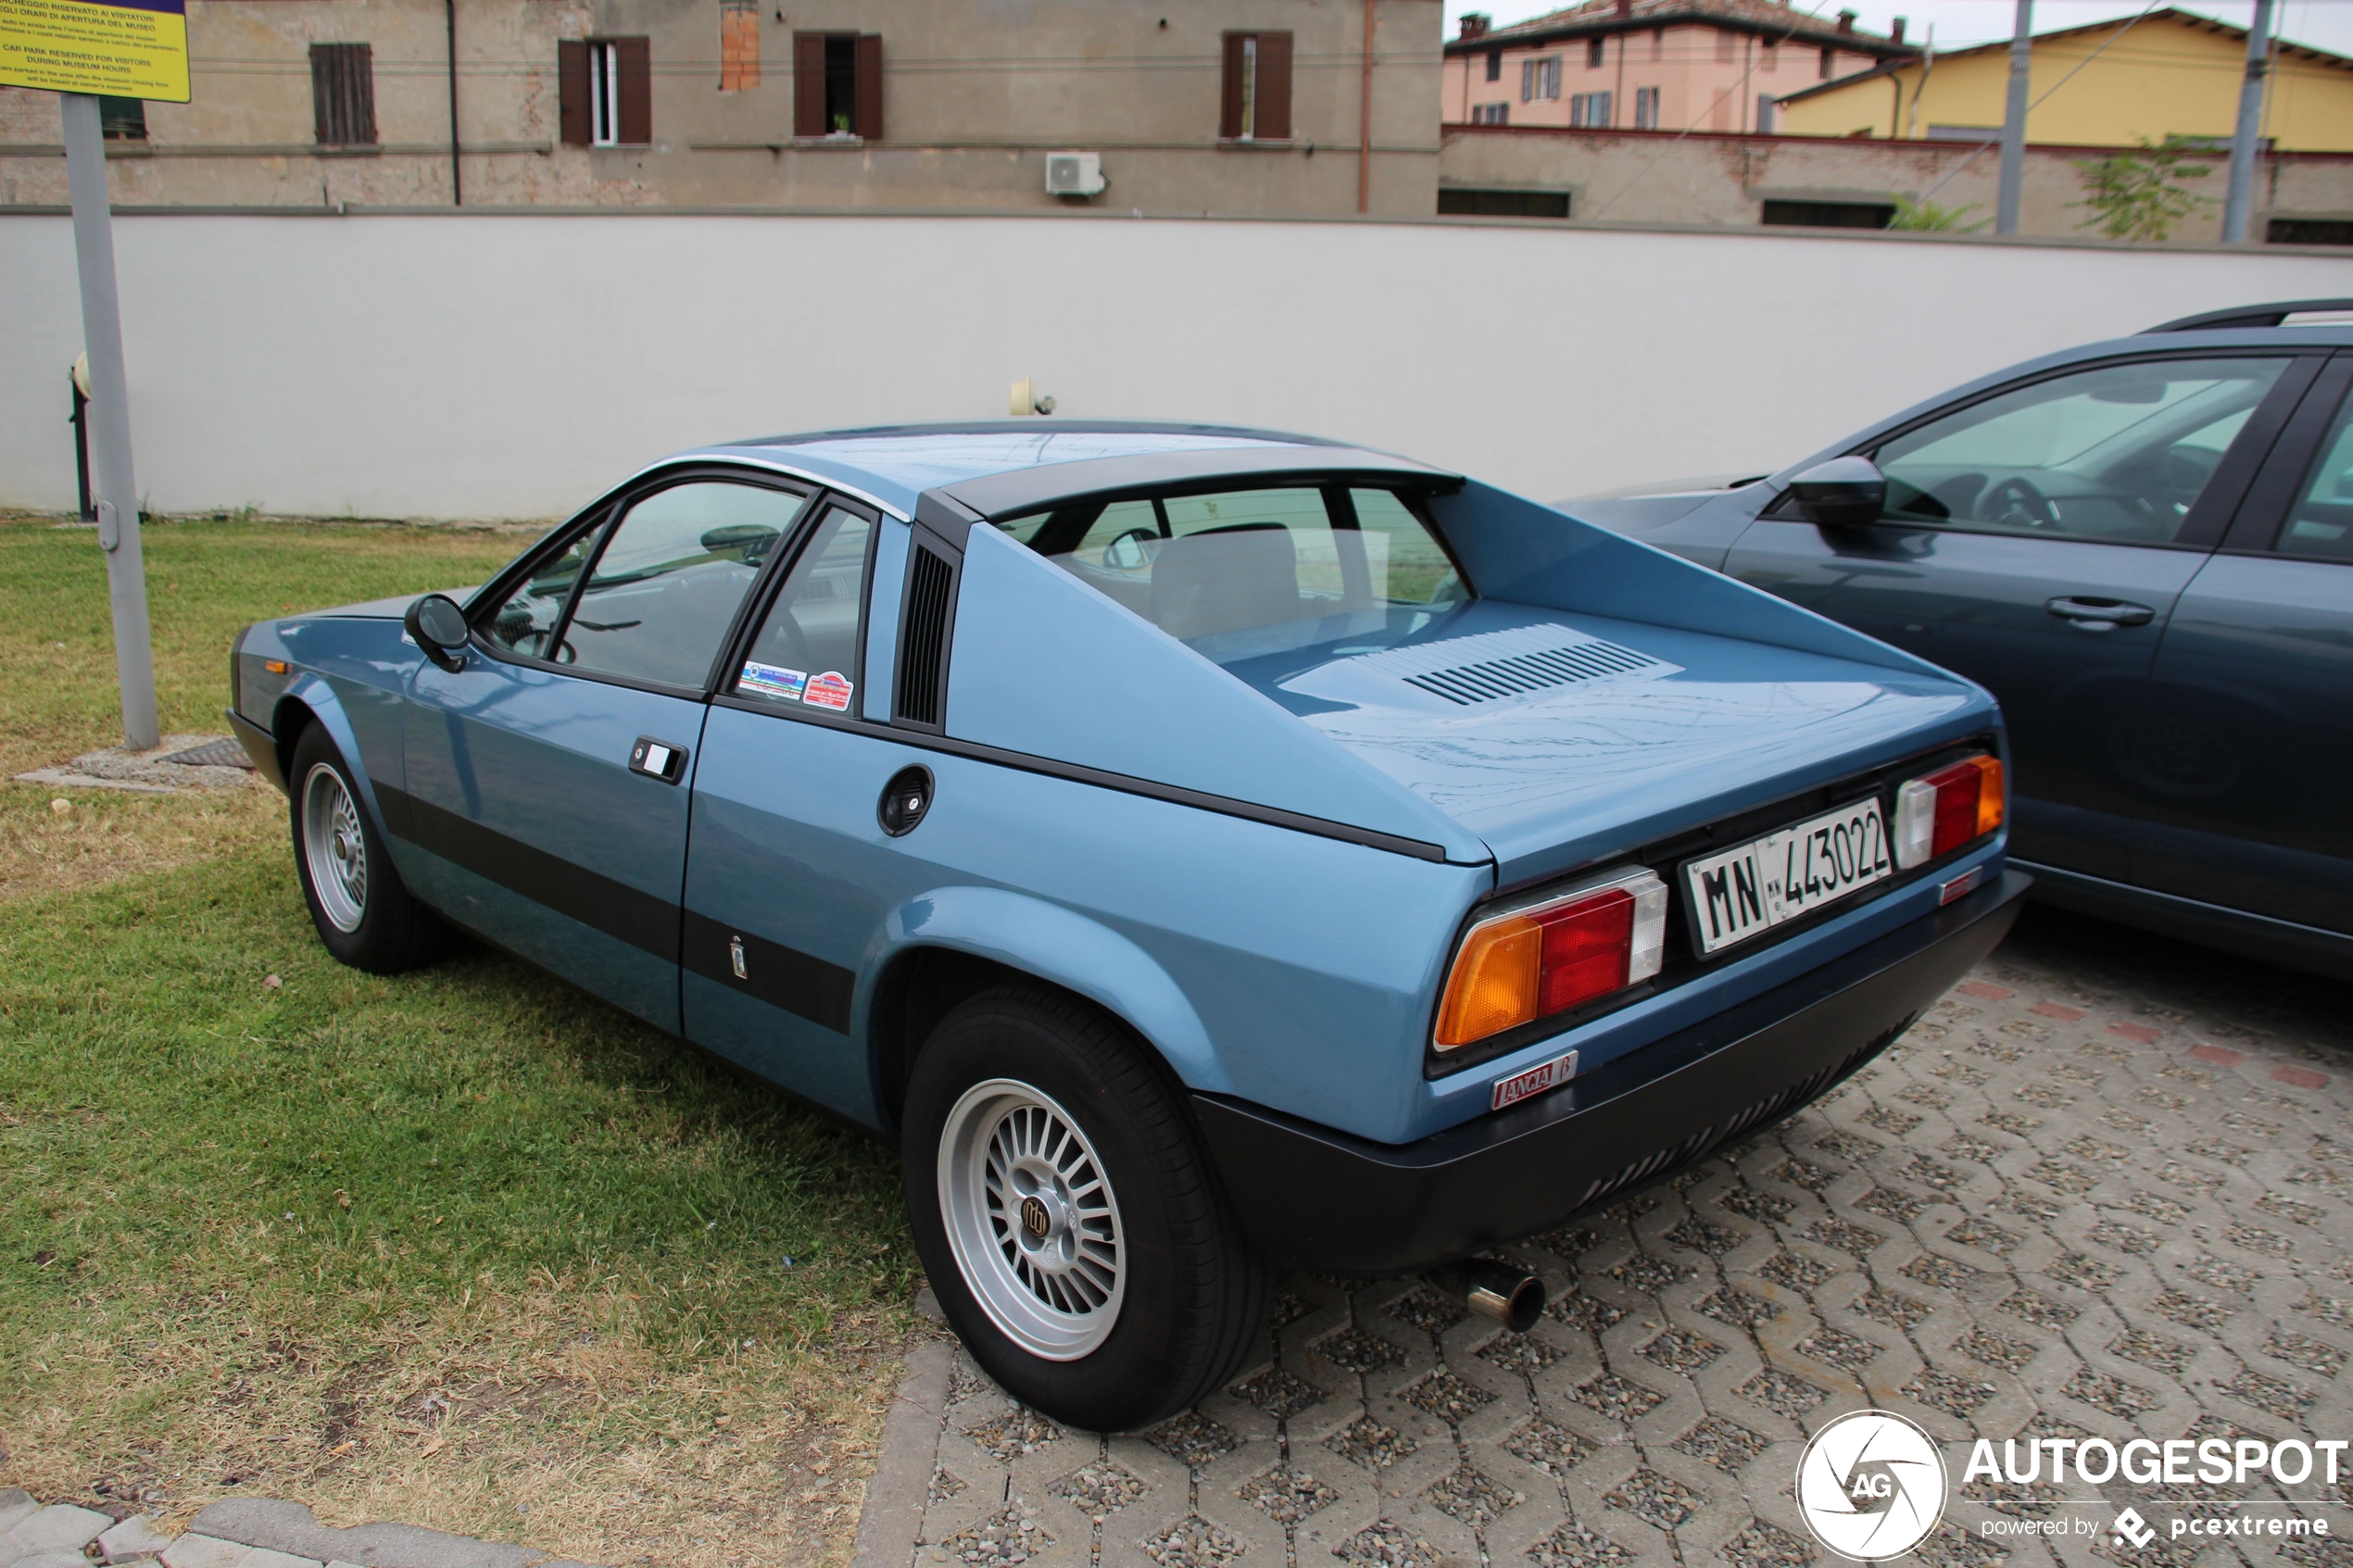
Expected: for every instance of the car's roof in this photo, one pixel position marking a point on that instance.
(1033, 462)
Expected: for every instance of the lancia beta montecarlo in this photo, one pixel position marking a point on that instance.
(1204, 852)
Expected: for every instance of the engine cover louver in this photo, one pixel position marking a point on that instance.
(1499, 664)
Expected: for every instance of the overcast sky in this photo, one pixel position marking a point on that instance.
(2324, 24)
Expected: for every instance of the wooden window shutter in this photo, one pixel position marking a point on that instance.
(571, 91)
(867, 90)
(633, 63)
(1229, 102)
(808, 84)
(343, 94)
(1272, 114)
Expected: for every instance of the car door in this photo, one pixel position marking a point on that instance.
(2035, 539)
(2241, 758)
(548, 777)
(792, 870)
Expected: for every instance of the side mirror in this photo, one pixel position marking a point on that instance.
(436, 625)
(1842, 493)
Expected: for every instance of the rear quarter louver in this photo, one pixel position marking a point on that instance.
(920, 699)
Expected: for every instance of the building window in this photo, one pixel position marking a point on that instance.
(1726, 47)
(838, 85)
(1646, 108)
(1256, 104)
(1830, 215)
(1764, 106)
(1490, 114)
(122, 119)
(1503, 204)
(343, 94)
(2278, 231)
(604, 91)
(1772, 56)
(1590, 111)
(1495, 65)
(1659, 44)
(738, 45)
(1540, 78)
(1829, 63)
(1596, 49)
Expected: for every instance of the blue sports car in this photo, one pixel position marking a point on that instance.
(1202, 851)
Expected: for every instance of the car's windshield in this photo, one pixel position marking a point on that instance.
(1245, 572)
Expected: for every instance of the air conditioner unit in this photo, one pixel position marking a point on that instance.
(1074, 174)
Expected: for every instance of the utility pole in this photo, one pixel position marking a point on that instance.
(109, 416)
(2240, 203)
(2014, 120)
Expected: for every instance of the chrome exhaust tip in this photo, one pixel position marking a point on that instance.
(1511, 1295)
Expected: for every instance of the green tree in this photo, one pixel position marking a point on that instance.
(1935, 216)
(2132, 192)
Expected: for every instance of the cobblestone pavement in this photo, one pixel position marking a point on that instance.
(2105, 1188)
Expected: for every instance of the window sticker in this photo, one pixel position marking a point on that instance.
(828, 690)
(775, 679)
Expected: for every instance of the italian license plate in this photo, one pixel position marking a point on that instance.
(1740, 893)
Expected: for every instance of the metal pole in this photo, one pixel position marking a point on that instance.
(2014, 120)
(109, 416)
(2240, 203)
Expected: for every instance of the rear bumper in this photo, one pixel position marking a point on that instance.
(1312, 1197)
(260, 746)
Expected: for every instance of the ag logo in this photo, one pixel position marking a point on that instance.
(1871, 1485)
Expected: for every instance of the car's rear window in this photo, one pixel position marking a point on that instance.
(1243, 572)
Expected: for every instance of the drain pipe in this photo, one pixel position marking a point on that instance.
(457, 186)
(1364, 119)
(1511, 1295)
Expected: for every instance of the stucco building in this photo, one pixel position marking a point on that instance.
(1653, 65)
(1247, 107)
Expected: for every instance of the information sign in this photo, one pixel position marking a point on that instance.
(108, 48)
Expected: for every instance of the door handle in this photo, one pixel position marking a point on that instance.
(2099, 615)
(658, 760)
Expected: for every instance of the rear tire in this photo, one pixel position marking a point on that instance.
(364, 913)
(1073, 1230)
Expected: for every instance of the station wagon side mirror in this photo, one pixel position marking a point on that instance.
(437, 626)
(1842, 493)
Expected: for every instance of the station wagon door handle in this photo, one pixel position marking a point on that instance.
(2100, 615)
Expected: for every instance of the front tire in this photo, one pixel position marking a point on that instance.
(1074, 1233)
(365, 914)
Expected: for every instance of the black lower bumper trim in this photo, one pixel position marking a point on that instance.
(260, 746)
(1312, 1197)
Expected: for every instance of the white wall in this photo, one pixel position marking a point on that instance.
(476, 366)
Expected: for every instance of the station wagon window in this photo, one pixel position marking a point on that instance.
(2322, 524)
(1240, 573)
(667, 585)
(2120, 453)
(806, 654)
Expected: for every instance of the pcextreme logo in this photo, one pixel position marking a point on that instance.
(1871, 1485)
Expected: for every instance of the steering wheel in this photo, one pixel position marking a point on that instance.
(1127, 552)
(2015, 503)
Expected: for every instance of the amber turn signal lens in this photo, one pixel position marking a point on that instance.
(1493, 986)
(1990, 794)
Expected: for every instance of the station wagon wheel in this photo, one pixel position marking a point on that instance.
(1033, 1219)
(364, 913)
(1072, 1227)
(335, 847)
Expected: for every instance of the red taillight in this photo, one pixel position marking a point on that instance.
(1549, 957)
(1937, 814)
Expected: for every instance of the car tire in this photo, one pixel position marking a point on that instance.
(365, 913)
(1104, 1307)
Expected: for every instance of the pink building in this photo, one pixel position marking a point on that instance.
(1653, 65)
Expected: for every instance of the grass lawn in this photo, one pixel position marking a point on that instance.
(462, 1248)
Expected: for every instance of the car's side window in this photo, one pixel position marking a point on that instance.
(2119, 452)
(526, 622)
(2322, 524)
(667, 584)
(806, 652)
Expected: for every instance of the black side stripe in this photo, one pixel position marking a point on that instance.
(781, 976)
(614, 907)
